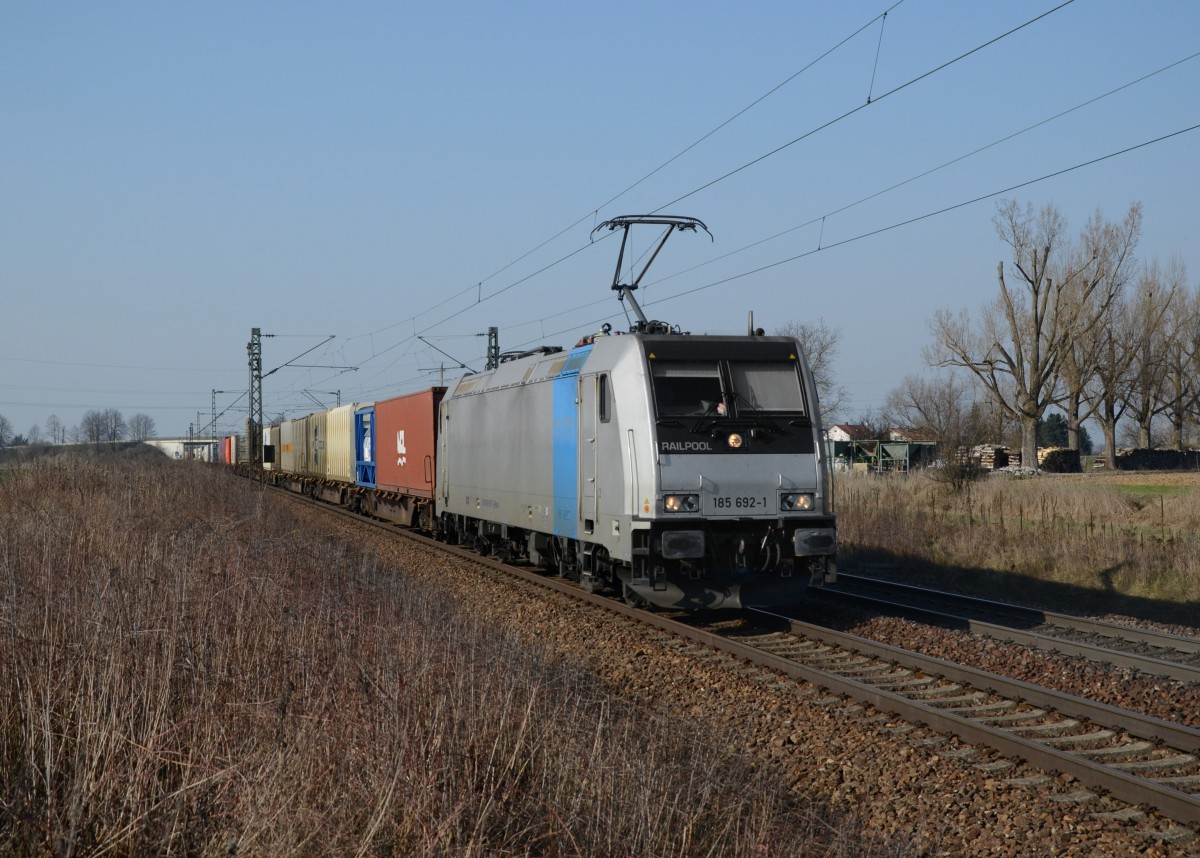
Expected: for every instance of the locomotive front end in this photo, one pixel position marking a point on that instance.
(741, 513)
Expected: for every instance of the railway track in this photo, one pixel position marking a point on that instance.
(1152, 652)
(1137, 759)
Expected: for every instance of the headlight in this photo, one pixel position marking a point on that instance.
(796, 502)
(735, 440)
(681, 503)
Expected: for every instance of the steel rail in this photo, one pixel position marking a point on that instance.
(1134, 634)
(1092, 652)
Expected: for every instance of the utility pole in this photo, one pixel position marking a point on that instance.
(254, 420)
(493, 348)
(212, 426)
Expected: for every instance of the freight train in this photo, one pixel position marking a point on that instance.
(682, 471)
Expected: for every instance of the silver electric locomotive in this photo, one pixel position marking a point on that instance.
(687, 471)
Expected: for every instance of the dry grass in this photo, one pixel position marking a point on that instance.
(185, 671)
(1109, 544)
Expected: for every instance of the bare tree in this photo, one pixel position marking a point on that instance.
(6, 431)
(34, 434)
(947, 410)
(92, 427)
(55, 429)
(936, 408)
(820, 342)
(1111, 248)
(114, 425)
(1017, 350)
(1149, 350)
(1180, 390)
(1110, 376)
(141, 427)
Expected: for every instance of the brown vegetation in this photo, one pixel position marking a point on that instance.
(1083, 542)
(186, 669)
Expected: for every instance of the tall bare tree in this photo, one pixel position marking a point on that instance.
(114, 425)
(1180, 389)
(1112, 249)
(55, 429)
(6, 431)
(1016, 351)
(1105, 392)
(820, 342)
(1148, 346)
(141, 427)
(92, 427)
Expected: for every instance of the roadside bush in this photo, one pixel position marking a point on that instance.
(1044, 535)
(186, 669)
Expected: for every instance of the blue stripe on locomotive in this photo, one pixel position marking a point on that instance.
(566, 443)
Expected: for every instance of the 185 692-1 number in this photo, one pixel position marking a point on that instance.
(739, 502)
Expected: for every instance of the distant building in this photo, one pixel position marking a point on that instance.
(851, 446)
(185, 448)
(915, 436)
(848, 432)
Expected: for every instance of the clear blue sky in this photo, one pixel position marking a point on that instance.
(172, 175)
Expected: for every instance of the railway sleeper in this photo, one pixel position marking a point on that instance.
(1156, 764)
(1081, 739)
(1126, 750)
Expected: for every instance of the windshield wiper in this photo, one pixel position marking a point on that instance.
(710, 414)
(750, 416)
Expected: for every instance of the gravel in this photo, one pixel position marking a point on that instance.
(927, 794)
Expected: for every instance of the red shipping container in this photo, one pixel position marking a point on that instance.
(406, 442)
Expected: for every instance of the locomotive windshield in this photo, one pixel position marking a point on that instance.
(686, 389)
(767, 386)
(725, 388)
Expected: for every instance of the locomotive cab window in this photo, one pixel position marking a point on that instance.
(767, 386)
(605, 407)
(686, 389)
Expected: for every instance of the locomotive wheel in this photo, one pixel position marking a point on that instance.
(631, 597)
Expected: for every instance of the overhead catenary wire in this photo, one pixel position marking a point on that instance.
(935, 213)
(594, 323)
(878, 48)
(896, 225)
(855, 238)
(593, 211)
(869, 103)
(848, 206)
(936, 69)
(923, 174)
(899, 88)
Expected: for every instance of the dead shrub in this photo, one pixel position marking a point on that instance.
(185, 669)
